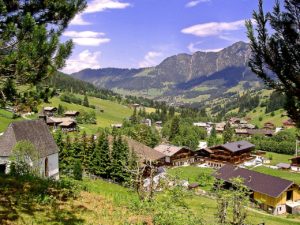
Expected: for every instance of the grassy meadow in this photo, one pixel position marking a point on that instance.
(100, 202)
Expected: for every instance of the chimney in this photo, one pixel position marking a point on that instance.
(249, 179)
(239, 145)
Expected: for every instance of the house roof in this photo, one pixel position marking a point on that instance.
(142, 151)
(66, 123)
(168, 150)
(71, 113)
(60, 120)
(35, 131)
(260, 131)
(283, 165)
(258, 182)
(50, 108)
(237, 146)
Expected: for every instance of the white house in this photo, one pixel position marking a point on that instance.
(38, 133)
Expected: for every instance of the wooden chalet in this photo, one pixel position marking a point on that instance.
(269, 126)
(71, 114)
(49, 111)
(143, 152)
(273, 194)
(250, 132)
(295, 164)
(176, 156)
(220, 127)
(67, 124)
(289, 123)
(230, 153)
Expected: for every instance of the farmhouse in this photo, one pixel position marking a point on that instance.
(39, 135)
(49, 111)
(67, 124)
(232, 153)
(176, 156)
(269, 126)
(71, 114)
(273, 194)
(295, 165)
(289, 123)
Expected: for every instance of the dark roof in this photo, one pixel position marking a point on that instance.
(35, 131)
(258, 182)
(238, 146)
(260, 131)
(142, 151)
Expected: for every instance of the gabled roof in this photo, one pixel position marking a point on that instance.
(237, 146)
(168, 150)
(35, 131)
(50, 108)
(258, 182)
(142, 151)
(71, 113)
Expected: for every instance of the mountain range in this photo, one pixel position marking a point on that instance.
(183, 78)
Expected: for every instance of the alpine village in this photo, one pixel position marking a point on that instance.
(203, 128)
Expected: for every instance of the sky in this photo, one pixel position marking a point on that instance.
(142, 33)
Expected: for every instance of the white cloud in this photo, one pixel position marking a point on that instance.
(98, 6)
(195, 3)
(82, 34)
(84, 60)
(78, 20)
(87, 38)
(193, 48)
(101, 5)
(151, 59)
(213, 28)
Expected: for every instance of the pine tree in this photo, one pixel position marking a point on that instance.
(227, 134)
(60, 110)
(77, 170)
(9, 90)
(29, 32)
(175, 126)
(85, 101)
(276, 53)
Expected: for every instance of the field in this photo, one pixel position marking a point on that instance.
(105, 203)
(5, 119)
(278, 158)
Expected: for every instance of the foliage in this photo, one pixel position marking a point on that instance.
(228, 133)
(29, 31)
(276, 53)
(142, 133)
(25, 159)
(77, 170)
(87, 117)
(276, 101)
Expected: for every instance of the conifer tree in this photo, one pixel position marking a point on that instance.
(276, 53)
(77, 170)
(85, 101)
(174, 127)
(227, 134)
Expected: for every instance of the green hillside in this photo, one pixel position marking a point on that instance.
(112, 112)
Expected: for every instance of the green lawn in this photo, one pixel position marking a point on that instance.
(279, 173)
(189, 173)
(6, 119)
(278, 158)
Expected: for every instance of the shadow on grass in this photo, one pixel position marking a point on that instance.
(40, 200)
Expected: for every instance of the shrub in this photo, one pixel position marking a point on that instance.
(77, 170)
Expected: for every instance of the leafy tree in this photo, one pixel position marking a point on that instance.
(276, 53)
(25, 159)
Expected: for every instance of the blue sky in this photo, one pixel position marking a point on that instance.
(141, 33)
